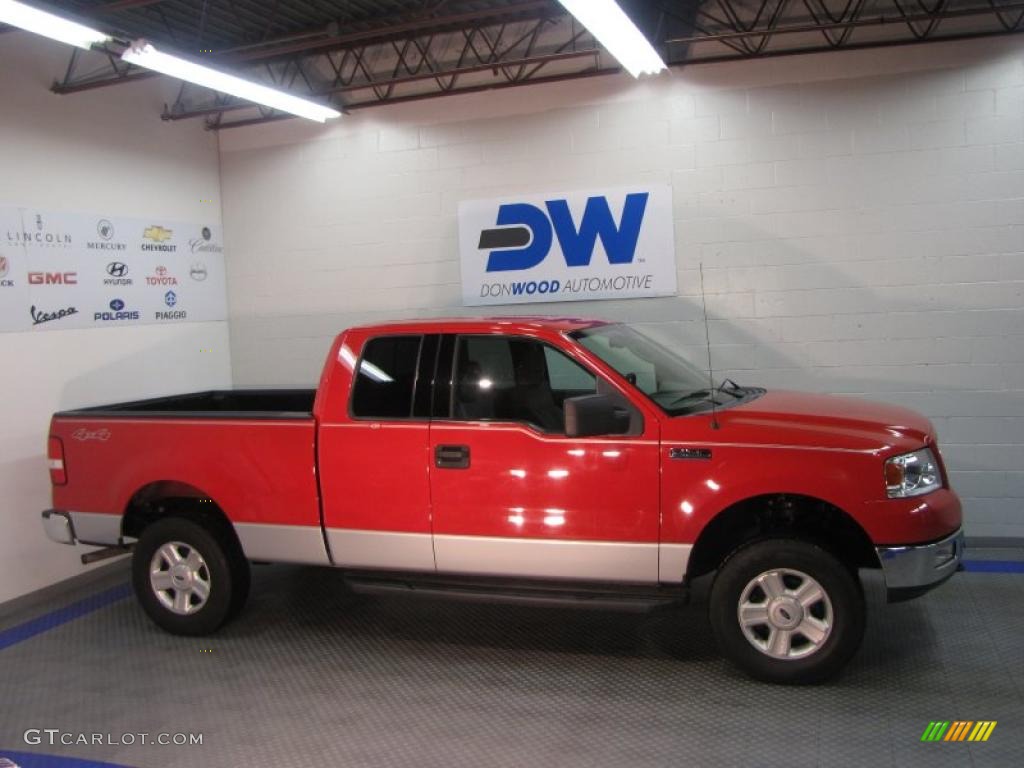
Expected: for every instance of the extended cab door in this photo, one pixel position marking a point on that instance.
(373, 454)
(512, 495)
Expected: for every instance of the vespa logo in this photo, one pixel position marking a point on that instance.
(83, 434)
(524, 233)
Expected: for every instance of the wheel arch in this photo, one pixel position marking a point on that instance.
(163, 498)
(780, 514)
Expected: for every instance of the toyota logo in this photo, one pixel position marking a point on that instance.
(117, 269)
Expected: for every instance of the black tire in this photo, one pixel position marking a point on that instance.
(224, 572)
(797, 659)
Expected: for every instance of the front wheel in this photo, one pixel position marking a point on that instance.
(787, 611)
(187, 578)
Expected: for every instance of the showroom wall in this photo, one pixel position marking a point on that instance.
(859, 216)
(102, 151)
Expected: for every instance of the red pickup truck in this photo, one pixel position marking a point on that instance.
(521, 459)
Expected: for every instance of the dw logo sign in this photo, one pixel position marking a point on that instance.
(522, 224)
(607, 244)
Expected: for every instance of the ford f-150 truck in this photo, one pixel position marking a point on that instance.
(517, 459)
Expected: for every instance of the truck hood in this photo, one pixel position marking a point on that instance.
(803, 419)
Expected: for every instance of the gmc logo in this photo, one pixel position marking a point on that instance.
(524, 233)
(53, 278)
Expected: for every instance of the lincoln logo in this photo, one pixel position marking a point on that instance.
(53, 278)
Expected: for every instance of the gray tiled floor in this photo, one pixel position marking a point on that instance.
(310, 677)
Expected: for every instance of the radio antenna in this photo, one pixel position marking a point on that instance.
(707, 339)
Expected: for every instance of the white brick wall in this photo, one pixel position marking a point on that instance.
(860, 218)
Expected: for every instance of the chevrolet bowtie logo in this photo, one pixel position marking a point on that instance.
(156, 233)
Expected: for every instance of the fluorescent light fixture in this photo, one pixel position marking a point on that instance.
(49, 25)
(607, 22)
(143, 54)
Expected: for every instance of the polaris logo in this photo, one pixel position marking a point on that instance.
(524, 234)
(603, 244)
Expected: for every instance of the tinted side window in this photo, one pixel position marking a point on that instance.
(387, 374)
(510, 379)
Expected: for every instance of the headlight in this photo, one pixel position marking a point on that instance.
(912, 474)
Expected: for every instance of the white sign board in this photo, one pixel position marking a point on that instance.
(601, 244)
(61, 270)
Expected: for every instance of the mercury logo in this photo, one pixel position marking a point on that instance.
(104, 229)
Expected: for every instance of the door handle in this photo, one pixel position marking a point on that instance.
(451, 457)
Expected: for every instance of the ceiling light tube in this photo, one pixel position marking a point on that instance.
(49, 25)
(143, 54)
(613, 29)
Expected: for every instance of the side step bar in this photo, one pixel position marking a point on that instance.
(540, 596)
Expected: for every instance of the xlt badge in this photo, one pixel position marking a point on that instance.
(689, 453)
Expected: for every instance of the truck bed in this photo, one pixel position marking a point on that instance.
(219, 404)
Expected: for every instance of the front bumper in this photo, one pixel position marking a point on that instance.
(912, 570)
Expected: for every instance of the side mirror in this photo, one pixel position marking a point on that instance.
(595, 415)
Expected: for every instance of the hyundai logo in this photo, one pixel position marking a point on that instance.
(117, 269)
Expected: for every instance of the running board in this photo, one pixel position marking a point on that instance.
(539, 596)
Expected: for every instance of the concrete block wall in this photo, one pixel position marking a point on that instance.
(859, 217)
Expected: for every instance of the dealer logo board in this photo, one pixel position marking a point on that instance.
(64, 270)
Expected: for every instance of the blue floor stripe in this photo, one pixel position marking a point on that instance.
(994, 566)
(33, 760)
(54, 619)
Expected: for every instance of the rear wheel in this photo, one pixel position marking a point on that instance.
(189, 579)
(787, 611)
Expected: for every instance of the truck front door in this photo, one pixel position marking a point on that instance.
(374, 478)
(512, 495)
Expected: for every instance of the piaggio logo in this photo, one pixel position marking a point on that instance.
(524, 233)
(170, 298)
(53, 278)
(157, 236)
(959, 730)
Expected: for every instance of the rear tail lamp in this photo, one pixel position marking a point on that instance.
(55, 458)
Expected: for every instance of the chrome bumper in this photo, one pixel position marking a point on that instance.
(912, 570)
(58, 526)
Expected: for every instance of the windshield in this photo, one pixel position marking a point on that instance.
(661, 373)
